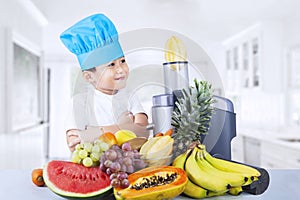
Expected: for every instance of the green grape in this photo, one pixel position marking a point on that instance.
(76, 152)
(88, 147)
(87, 162)
(96, 148)
(103, 146)
(79, 146)
(76, 159)
(82, 154)
(95, 156)
(97, 141)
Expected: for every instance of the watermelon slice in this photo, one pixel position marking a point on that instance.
(72, 180)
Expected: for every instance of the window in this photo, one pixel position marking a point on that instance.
(26, 88)
(255, 51)
(23, 92)
(236, 58)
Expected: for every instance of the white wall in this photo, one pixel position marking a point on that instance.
(272, 56)
(291, 35)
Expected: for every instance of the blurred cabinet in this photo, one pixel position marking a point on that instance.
(265, 153)
(243, 60)
(254, 59)
(294, 74)
(237, 149)
(293, 87)
(252, 149)
(277, 156)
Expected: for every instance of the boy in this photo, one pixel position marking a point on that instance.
(94, 40)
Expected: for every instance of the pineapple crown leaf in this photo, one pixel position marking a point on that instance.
(194, 109)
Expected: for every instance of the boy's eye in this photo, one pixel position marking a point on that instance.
(111, 65)
(123, 61)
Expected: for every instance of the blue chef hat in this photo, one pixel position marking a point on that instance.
(94, 40)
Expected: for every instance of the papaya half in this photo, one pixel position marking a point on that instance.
(164, 182)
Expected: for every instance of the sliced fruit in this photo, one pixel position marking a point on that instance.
(175, 50)
(72, 180)
(157, 151)
(165, 182)
(149, 144)
(162, 144)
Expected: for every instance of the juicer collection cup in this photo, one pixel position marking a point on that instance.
(176, 76)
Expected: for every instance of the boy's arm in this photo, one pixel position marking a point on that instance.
(136, 123)
(141, 119)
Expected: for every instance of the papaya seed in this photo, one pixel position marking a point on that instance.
(154, 181)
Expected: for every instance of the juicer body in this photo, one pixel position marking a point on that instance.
(222, 125)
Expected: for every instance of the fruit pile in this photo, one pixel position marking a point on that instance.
(135, 168)
(209, 176)
(123, 153)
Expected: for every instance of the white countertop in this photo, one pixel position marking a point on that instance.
(16, 184)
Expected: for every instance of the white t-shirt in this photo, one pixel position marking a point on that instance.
(94, 108)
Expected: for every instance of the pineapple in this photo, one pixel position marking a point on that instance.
(191, 116)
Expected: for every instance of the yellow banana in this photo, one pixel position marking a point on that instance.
(213, 194)
(202, 177)
(195, 191)
(250, 180)
(235, 190)
(228, 165)
(181, 159)
(234, 179)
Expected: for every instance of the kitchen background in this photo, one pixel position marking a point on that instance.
(254, 44)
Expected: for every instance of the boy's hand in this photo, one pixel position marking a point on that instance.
(126, 118)
(136, 123)
(73, 139)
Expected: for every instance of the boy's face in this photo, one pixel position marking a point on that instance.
(110, 77)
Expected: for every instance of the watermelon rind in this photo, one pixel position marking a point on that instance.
(105, 192)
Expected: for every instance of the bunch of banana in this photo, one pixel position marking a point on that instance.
(209, 176)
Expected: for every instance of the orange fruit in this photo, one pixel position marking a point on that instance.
(37, 177)
(158, 134)
(169, 132)
(108, 138)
